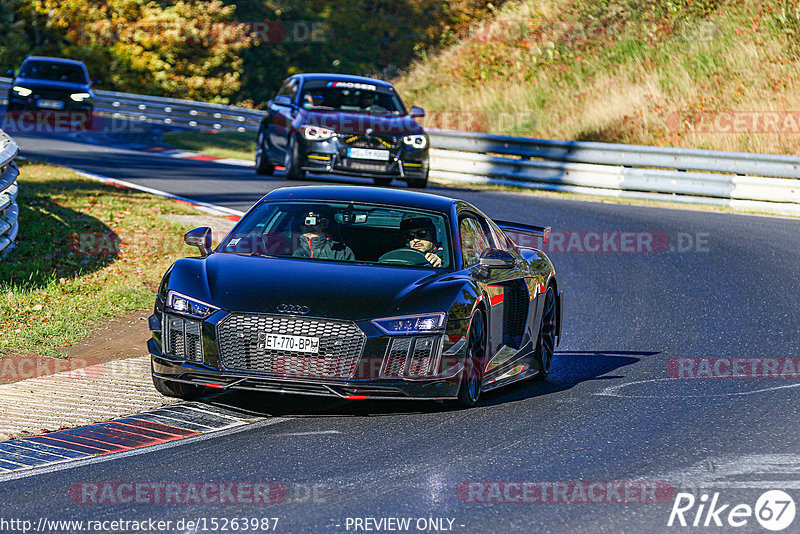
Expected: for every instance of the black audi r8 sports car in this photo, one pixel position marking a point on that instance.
(351, 125)
(358, 293)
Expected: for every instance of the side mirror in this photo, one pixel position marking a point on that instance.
(493, 258)
(283, 100)
(10, 73)
(417, 111)
(200, 238)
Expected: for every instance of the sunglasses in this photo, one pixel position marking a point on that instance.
(419, 234)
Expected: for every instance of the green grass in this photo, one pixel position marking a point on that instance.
(239, 145)
(67, 272)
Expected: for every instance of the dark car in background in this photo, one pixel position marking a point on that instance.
(351, 125)
(377, 319)
(53, 84)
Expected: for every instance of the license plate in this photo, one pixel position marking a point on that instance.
(305, 344)
(51, 104)
(368, 153)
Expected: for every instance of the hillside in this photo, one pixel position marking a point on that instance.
(719, 75)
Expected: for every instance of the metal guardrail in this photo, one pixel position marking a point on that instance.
(747, 181)
(9, 212)
(742, 180)
(170, 111)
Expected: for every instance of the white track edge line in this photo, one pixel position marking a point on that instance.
(204, 206)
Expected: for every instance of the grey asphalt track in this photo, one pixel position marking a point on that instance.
(610, 411)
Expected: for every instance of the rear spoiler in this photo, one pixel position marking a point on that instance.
(542, 232)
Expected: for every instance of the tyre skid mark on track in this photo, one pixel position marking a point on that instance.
(615, 391)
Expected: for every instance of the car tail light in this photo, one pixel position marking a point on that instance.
(412, 357)
(183, 338)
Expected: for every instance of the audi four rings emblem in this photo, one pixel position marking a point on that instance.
(293, 308)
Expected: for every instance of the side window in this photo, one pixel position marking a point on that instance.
(473, 240)
(501, 240)
(284, 90)
(293, 86)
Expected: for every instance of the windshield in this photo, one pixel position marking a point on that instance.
(351, 97)
(53, 72)
(345, 232)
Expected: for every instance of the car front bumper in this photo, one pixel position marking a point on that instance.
(331, 156)
(377, 367)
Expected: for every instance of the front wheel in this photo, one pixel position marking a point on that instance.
(418, 183)
(263, 166)
(293, 170)
(546, 343)
(180, 390)
(471, 378)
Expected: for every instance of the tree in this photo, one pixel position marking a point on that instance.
(187, 49)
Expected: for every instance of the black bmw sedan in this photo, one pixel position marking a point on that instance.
(357, 293)
(48, 83)
(331, 123)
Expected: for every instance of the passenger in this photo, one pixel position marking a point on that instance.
(315, 242)
(420, 234)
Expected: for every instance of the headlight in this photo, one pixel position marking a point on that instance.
(188, 306)
(80, 97)
(417, 141)
(412, 324)
(22, 91)
(315, 133)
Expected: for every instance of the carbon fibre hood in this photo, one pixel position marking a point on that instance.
(329, 289)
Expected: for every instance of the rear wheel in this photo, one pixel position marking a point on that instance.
(470, 390)
(546, 343)
(293, 171)
(180, 390)
(263, 166)
(381, 181)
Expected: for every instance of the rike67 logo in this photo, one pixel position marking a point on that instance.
(774, 510)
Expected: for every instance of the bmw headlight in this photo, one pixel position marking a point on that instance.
(413, 324)
(22, 91)
(188, 306)
(80, 97)
(417, 141)
(316, 133)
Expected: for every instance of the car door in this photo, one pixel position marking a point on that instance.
(506, 291)
(281, 114)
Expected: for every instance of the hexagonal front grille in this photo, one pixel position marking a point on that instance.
(340, 346)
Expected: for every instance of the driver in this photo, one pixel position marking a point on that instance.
(419, 234)
(370, 103)
(315, 241)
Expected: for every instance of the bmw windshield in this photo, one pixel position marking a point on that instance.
(346, 232)
(351, 97)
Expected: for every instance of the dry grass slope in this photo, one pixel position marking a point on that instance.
(691, 73)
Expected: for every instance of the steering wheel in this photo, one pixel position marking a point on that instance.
(404, 256)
